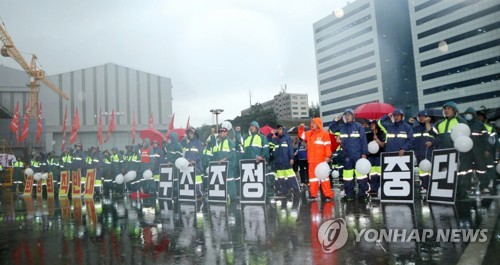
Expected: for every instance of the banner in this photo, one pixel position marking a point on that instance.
(50, 185)
(443, 180)
(217, 185)
(89, 184)
(187, 184)
(39, 188)
(77, 210)
(253, 185)
(64, 185)
(91, 212)
(397, 177)
(65, 208)
(75, 184)
(28, 186)
(166, 186)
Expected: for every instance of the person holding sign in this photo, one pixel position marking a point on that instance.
(354, 146)
(442, 133)
(318, 150)
(423, 144)
(399, 135)
(225, 151)
(194, 154)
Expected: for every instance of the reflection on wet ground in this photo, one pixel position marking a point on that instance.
(151, 231)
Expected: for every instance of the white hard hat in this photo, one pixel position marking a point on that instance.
(226, 125)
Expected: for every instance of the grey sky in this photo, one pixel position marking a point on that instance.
(214, 51)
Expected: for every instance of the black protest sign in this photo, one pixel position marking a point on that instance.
(397, 177)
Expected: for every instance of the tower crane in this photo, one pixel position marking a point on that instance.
(36, 73)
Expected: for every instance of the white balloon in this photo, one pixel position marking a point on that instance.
(463, 144)
(335, 174)
(498, 168)
(45, 176)
(29, 172)
(119, 179)
(460, 129)
(148, 174)
(181, 163)
(130, 176)
(373, 147)
(38, 176)
(363, 166)
(322, 171)
(425, 165)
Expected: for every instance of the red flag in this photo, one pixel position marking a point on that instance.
(111, 127)
(133, 127)
(14, 124)
(25, 132)
(151, 122)
(187, 125)
(39, 126)
(99, 128)
(74, 129)
(63, 144)
(171, 125)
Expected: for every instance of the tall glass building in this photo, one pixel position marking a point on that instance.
(364, 54)
(457, 52)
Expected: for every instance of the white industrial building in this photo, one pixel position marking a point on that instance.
(286, 106)
(102, 88)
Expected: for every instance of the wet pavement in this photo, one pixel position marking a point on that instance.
(153, 231)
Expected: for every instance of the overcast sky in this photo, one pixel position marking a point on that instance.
(215, 51)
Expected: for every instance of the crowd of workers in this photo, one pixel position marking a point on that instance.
(290, 160)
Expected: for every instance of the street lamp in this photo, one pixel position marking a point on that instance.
(217, 112)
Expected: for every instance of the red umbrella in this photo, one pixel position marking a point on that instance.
(180, 133)
(373, 110)
(265, 130)
(153, 135)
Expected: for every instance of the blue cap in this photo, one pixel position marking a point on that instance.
(398, 111)
(423, 113)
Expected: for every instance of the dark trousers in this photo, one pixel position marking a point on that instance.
(303, 169)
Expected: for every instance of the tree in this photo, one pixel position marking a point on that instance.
(314, 110)
(257, 113)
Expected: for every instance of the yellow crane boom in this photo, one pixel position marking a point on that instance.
(10, 50)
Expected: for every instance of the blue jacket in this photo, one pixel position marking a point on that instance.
(420, 137)
(399, 135)
(354, 143)
(283, 152)
(194, 152)
(302, 151)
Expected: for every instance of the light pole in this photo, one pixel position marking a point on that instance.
(217, 112)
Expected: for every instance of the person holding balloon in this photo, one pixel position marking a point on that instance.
(423, 146)
(476, 158)
(318, 153)
(376, 142)
(355, 147)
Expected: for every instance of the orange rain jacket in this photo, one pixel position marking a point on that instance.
(318, 142)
